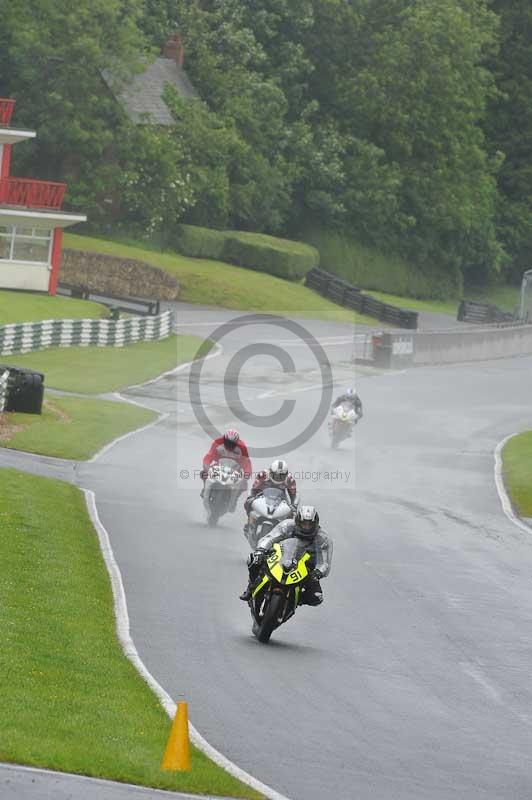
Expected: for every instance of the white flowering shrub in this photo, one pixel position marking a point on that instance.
(155, 183)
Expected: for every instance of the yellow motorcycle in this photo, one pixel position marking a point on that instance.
(280, 583)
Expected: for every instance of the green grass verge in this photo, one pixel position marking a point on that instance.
(215, 283)
(517, 472)
(71, 427)
(438, 306)
(370, 268)
(70, 699)
(93, 370)
(505, 297)
(26, 307)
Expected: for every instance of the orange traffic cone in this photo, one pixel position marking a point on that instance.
(177, 753)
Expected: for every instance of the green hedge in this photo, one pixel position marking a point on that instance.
(369, 268)
(280, 257)
(199, 242)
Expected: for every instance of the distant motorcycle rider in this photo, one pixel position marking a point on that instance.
(277, 477)
(351, 398)
(305, 527)
(229, 446)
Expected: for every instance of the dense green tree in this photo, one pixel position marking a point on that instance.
(509, 131)
(420, 96)
(53, 55)
(378, 119)
(281, 28)
(154, 186)
(158, 20)
(211, 149)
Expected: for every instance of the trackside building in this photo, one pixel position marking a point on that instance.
(31, 219)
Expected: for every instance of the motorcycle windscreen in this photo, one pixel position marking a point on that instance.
(231, 463)
(292, 550)
(273, 496)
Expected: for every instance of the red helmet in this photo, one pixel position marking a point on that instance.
(231, 439)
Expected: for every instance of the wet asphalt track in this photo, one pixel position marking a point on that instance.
(412, 681)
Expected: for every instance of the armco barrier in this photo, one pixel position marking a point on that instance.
(26, 337)
(343, 293)
(132, 305)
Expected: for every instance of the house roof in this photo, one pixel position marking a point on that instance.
(14, 135)
(143, 94)
(15, 215)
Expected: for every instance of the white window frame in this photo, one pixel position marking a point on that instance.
(12, 236)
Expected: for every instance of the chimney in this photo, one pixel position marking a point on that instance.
(174, 49)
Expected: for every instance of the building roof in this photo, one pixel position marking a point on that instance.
(15, 215)
(14, 135)
(143, 94)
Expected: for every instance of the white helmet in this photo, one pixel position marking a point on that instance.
(307, 522)
(278, 471)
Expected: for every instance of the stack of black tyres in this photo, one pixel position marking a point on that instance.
(25, 390)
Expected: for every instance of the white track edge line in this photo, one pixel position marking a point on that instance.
(161, 416)
(128, 646)
(148, 791)
(218, 348)
(501, 488)
(110, 445)
(122, 616)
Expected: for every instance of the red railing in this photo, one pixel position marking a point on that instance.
(32, 194)
(6, 109)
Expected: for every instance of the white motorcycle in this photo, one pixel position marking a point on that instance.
(267, 510)
(223, 481)
(343, 420)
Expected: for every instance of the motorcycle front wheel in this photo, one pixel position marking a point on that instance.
(269, 620)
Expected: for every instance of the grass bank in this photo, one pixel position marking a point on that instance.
(26, 307)
(370, 268)
(517, 472)
(216, 283)
(504, 297)
(93, 370)
(71, 427)
(70, 699)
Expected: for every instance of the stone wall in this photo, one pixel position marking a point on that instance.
(125, 277)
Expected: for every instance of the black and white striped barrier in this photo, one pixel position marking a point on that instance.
(26, 337)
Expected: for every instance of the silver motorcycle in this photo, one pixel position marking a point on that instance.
(222, 483)
(267, 510)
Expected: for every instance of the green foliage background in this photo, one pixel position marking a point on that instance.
(391, 125)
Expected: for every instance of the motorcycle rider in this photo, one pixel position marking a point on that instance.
(305, 527)
(350, 397)
(277, 477)
(230, 445)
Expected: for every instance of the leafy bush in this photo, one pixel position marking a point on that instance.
(280, 257)
(369, 268)
(197, 242)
